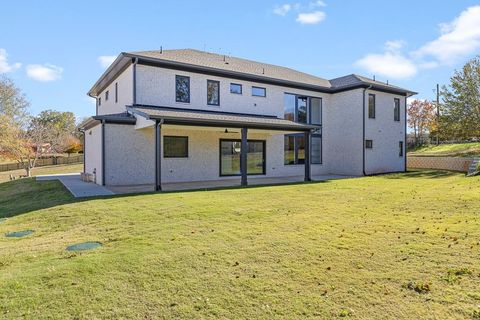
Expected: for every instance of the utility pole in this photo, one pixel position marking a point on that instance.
(438, 114)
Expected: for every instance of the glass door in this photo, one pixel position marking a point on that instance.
(230, 157)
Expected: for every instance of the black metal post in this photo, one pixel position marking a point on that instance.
(243, 157)
(158, 156)
(307, 156)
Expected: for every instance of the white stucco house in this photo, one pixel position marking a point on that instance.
(185, 115)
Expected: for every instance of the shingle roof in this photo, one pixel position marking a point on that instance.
(223, 62)
(223, 119)
(355, 79)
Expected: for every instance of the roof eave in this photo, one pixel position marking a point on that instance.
(112, 71)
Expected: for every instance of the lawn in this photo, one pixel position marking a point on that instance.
(66, 168)
(450, 150)
(400, 246)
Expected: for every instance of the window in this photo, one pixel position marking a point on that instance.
(302, 109)
(106, 95)
(400, 148)
(213, 93)
(316, 149)
(294, 148)
(100, 101)
(290, 105)
(368, 144)
(371, 106)
(175, 147)
(235, 88)
(316, 111)
(396, 109)
(116, 92)
(230, 157)
(259, 92)
(182, 89)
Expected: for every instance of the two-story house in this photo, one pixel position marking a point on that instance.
(188, 115)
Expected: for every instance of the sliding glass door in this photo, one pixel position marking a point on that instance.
(230, 157)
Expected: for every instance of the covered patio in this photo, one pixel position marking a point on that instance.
(164, 117)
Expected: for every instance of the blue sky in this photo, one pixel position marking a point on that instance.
(52, 49)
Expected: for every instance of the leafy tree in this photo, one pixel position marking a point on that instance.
(13, 103)
(421, 118)
(460, 117)
(71, 145)
(59, 125)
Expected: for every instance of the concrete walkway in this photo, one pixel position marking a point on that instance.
(76, 186)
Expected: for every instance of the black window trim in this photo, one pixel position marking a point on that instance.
(396, 113)
(99, 101)
(367, 141)
(214, 104)
(264, 89)
(116, 92)
(316, 135)
(309, 118)
(400, 149)
(264, 168)
(176, 157)
(189, 92)
(374, 106)
(107, 93)
(237, 84)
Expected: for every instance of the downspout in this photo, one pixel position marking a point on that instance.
(363, 142)
(134, 93)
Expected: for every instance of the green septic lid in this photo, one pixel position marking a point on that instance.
(84, 246)
(19, 234)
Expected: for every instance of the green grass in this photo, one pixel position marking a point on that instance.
(449, 150)
(401, 246)
(66, 168)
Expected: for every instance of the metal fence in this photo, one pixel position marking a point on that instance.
(42, 162)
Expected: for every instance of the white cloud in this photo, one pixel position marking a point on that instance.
(391, 64)
(5, 67)
(106, 61)
(318, 3)
(311, 17)
(46, 72)
(458, 38)
(283, 9)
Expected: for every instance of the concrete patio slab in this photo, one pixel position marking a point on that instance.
(76, 186)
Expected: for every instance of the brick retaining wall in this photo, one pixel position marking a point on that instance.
(445, 163)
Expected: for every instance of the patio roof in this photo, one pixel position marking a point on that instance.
(195, 117)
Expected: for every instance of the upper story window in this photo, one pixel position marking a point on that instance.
(303, 109)
(235, 88)
(259, 92)
(182, 89)
(371, 106)
(116, 92)
(213, 93)
(99, 101)
(396, 109)
(368, 144)
(400, 148)
(106, 95)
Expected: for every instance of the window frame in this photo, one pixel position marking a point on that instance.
(400, 149)
(177, 76)
(175, 157)
(99, 101)
(107, 93)
(264, 167)
(218, 83)
(370, 115)
(368, 144)
(116, 92)
(263, 88)
(236, 84)
(309, 115)
(316, 135)
(309, 108)
(396, 111)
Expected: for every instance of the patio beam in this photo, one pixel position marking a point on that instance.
(158, 155)
(308, 176)
(243, 157)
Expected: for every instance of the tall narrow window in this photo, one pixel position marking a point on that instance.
(400, 148)
(316, 149)
(182, 89)
(116, 92)
(316, 111)
(294, 149)
(213, 93)
(371, 106)
(289, 103)
(100, 101)
(106, 95)
(302, 109)
(396, 109)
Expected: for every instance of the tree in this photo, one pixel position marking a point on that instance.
(60, 126)
(71, 145)
(461, 103)
(13, 103)
(421, 118)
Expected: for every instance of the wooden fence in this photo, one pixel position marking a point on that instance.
(444, 163)
(44, 162)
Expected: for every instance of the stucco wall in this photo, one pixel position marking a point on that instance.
(444, 163)
(125, 93)
(93, 152)
(385, 133)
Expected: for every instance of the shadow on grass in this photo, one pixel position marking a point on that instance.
(424, 174)
(27, 195)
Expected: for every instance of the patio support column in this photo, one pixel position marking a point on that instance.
(243, 157)
(158, 155)
(307, 156)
